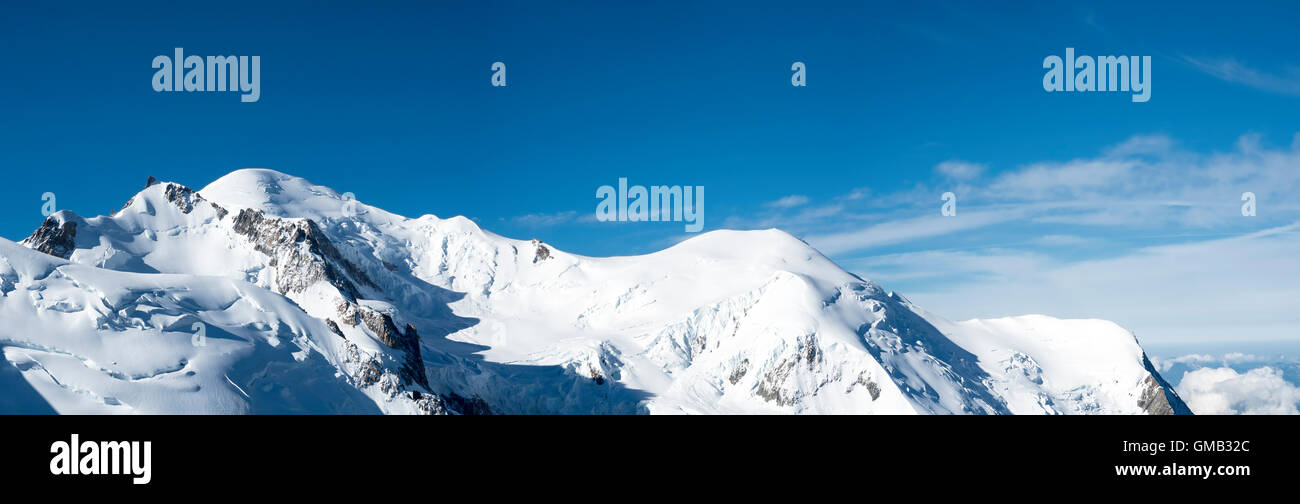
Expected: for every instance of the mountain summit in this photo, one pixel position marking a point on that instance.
(265, 293)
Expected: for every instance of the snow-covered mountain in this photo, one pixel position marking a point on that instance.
(265, 293)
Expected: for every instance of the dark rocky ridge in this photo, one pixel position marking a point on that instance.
(381, 324)
(56, 236)
(303, 255)
(1158, 396)
(542, 252)
(183, 197)
(300, 267)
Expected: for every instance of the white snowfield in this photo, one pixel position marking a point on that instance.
(301, 301)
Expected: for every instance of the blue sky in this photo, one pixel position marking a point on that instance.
(1070, 204)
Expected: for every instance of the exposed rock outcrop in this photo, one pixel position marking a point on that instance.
(301, 253)
(542, 253)
(56, 236)
(408, 341)
(1158, 396)
(183, 197)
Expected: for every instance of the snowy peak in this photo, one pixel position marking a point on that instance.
(169, 228)
(1047, 363)
(436, 315)
(277, 194)
(164, 200)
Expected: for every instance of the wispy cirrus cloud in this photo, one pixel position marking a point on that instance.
(546, 219)
(1145, 182)
(1230, 70)
(1061, 240)
(1202, 360)
(1149, 181)
(959, 170)
(790, 201)
(1240, 287)
(893, 232)
(1146, 233)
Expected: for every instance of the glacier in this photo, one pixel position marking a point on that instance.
(312, 302)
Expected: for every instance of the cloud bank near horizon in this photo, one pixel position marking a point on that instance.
(1224, 391)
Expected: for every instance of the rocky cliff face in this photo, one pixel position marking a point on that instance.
(302, 254)
(408, 342)
(1158, 396)
(56, 236)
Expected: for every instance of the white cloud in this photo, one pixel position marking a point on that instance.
(1075, 239)
(1078, 238)
(1224, 391)
(545, 219)
(959, 170)
(952, 265)
(1061, 240)
(863, 192)
(904, 230)
(1148, 181)
(1140, 145)
(1238, 357)
(1051, 180)
(1190, 359)
(1201, 360)
(790, 201)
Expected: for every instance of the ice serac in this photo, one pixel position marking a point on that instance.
(330, 305)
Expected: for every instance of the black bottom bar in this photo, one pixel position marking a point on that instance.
(319, 454)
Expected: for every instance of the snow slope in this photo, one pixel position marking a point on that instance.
(318, 303)
(93, 340)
